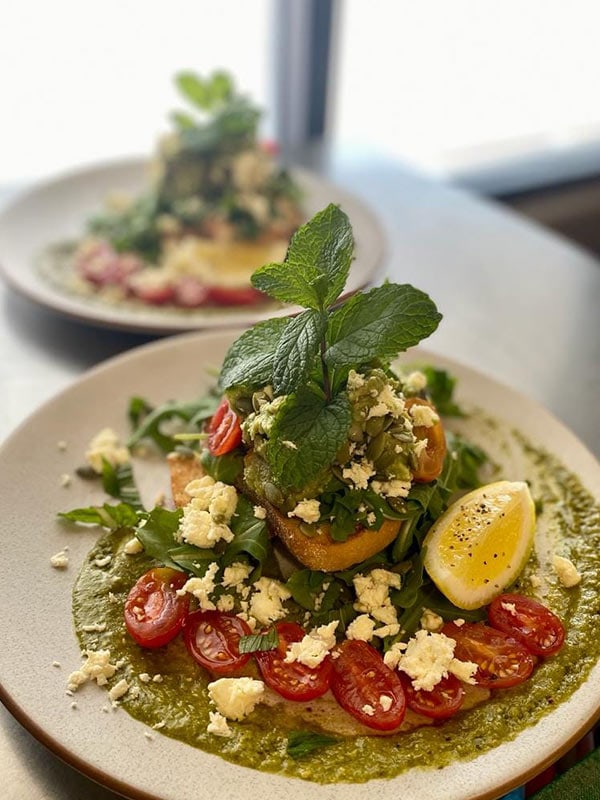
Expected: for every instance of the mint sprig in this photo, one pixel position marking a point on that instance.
(308, 356)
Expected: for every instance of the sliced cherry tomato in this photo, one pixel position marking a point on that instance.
(213, 639)
(501, 660)
(154, 612)
(294, 681)
(431, 460)
(368, 690)
(233, 296)
(441, 702)
(530, 622)
(224, 431)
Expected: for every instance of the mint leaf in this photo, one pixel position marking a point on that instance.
(316, 265)
(296, 350)
(380, 324)
(250, 359)
(204, 94)
(259, 642)
(306, 435)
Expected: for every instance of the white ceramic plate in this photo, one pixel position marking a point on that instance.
(56, 210)
(36, 628)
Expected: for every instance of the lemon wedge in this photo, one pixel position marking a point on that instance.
(481, 543)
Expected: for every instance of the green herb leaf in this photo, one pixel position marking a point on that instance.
(306, 434)
(119, 482)
(250, 359)
(150, 426)
(297, 350)
(158, 534)
(204, 94)
(227, 468)
(303, 743)
(108, 516)
(379, 324)
(259, 642)
(316, 265)
(440, 387)
(251, 535)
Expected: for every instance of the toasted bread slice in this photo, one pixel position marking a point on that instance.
(315, 552)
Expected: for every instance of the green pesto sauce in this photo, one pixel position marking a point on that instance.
(177, 705)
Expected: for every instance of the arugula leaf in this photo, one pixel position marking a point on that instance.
(118, 482)
(440, 386)
(158, 534)
(250, 534)
(150, 426)
(316, 265)
(303, 743)
(250, 360)
(227, 468)
(297, 350)
(315, 428)
(379, 324)
(259, 642)
(108, 516)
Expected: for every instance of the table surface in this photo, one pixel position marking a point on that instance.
(520, 304)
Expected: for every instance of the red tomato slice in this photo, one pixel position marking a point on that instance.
(224, 431)
(232, 296)
(367, 689)
(441, 702)
(502, 660)
(294, 681)
(431, 460)
(530, 622)
(213, 639)
(154, 612)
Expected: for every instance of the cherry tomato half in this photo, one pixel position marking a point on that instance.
(431, 460)
(502, 660)
(154, 612)
(294, 681)
(213, 639)
(224, 431)
(441, 702)
(368, 690)
(528, 621)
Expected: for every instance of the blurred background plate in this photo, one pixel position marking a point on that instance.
(57, 209)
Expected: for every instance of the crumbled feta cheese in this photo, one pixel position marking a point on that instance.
(368, 710)
(372, 593)
(133, 546)
(105, 446)
(429, 657)
(59, 560)
(431, 621)
(510, 607)
(314, 647)
(355, 380)
(393, 488)
(206, 517)
(566, 571)
(202, 588)
(197, 527)
(361, 628)
(97, 667)
(118, 690)
(94, 627)
(267, 599)
(226, 602)
(290, 445)
(388, 402)
(307, 510)
(144, 677)
(358, 473)
(385, 701)
(62, 445)
(65, 479)
(260, 512)
(423, 416)
(415, 382)
(235, 575)
(103, 561)
(235, 698)
(218, 725)
(387, 630)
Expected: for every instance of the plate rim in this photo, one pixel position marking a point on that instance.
(187, 339)
(105, 316)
